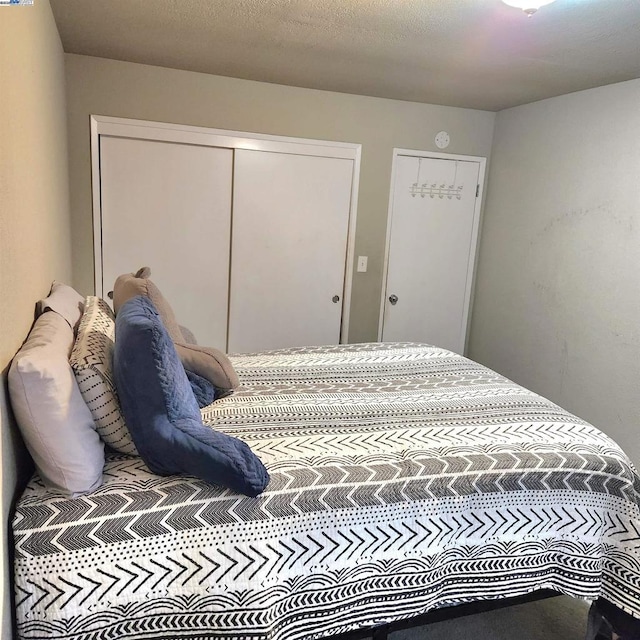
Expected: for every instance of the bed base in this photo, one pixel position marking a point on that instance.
(446, 613)
(605, 619)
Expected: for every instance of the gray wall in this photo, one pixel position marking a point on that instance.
(35, 244)
(557, 304)
(107, 87)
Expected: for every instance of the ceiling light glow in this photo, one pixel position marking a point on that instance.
(528, 6)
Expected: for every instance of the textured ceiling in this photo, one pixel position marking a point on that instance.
(468, 53)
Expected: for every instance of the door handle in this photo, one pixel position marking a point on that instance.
(110, 295)
(393, 298)
(335, 299)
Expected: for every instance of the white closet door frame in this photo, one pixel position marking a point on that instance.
(149, 130)
(482, 162)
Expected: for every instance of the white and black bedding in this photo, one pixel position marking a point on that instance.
(403, 478)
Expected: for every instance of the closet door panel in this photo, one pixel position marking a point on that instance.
(289, 242)
(168, 206)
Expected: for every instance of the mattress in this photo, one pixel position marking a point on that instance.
(403, 478)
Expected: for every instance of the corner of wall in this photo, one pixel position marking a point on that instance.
(35, 246)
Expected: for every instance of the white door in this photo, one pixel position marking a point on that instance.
(168, 206)
(434, 221)
(289, 244)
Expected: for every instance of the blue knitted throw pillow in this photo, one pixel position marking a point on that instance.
(162, 412)
(203, 390)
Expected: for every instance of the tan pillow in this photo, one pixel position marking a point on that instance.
(211, 364)
(130, 285)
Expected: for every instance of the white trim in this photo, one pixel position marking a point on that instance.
(97, 208)
(147, 130)
(415, 153)
(387, 245)
(471, 270)
(482, 162)
(351, 249)
(185, 134)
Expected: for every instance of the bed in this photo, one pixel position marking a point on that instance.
(404, 478)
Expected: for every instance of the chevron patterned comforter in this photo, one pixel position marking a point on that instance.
(403, 478)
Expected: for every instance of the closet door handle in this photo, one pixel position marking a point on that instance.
(393, 298)
(335, 299)
(110, 295)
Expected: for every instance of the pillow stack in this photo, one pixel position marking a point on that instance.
(206, 362)
(140, 394)
(162, 379)
(162, 412)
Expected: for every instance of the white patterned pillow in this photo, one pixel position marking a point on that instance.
(91, 361)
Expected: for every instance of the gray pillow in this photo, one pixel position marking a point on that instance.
(188, 336)
(54, 420)
(65, 301)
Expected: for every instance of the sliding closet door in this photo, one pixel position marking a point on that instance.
(289, 243)
(168, 206)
